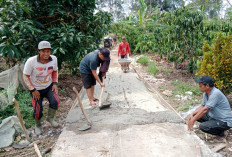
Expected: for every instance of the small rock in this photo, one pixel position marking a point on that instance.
(189, 93)
(185, 98)
(50, 132)
(167, 93)
(32, 145)
(24, 142)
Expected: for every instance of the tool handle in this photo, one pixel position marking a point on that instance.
(81, 105)
(37, 149)
(102, 90)
(20, 119)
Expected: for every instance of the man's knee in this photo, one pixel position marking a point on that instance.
(204, 127)
(54, 101)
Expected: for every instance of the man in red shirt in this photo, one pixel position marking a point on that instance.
(124, 48)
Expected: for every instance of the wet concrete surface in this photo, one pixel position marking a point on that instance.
(136, 124)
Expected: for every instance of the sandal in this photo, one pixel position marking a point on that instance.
(93, 105)
(95, 99)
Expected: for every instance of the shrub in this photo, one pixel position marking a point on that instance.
(26, 109)
(143, 60)
(217, 61)
(152, 68)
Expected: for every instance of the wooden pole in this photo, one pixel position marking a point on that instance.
(37, 150)
(20, 119)
(81, 105)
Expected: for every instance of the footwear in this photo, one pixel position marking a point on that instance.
(93, 104)
(50, 117)
(38, 130)
(95, 99)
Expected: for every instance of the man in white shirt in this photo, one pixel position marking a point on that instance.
(40, 75)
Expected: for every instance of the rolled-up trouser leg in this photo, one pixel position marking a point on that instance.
(38, 108)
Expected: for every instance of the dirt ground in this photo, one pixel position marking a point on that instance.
(161, 82)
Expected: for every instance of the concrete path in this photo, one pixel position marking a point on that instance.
(136, 124)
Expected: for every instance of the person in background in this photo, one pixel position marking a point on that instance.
(40, 75)
(124, 48)
(214, 114)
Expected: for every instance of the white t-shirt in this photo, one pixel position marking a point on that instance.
(40, 74)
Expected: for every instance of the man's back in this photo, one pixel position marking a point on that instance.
(90, 62)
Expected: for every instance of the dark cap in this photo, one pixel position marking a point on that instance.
(205, 80)
(106, 53)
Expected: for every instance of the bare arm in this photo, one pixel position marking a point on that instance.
(31, 87)
(94, 72)
(201, 111)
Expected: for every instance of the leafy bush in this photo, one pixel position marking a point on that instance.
(26, 109)
(152, 68)
(71, 27)
(143, 60)
(217, 61)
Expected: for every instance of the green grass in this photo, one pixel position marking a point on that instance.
(152, 68)
(143, 60)
(183, 87)
(185, 107)
(26, 109)
(166, 71)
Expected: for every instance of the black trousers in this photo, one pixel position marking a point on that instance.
(123, 56)
(212, 126)
(52, 97)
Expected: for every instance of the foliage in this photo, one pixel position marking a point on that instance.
(130, 32)
(143, 60)
(178, 35)
(185, 107)
(211, 8)
(26, 110)
(183, 87)
(152, 68)
(71, 26)
(217, 61)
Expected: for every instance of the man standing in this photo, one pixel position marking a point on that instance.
(124, 48)
(88, 67)
(215, 113)
(41, 77)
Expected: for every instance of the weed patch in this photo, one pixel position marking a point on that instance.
(143, 60)
(26, 110)
(183, 87)
(152, 68)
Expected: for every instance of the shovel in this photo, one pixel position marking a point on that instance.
(88, 125)
(100, 104)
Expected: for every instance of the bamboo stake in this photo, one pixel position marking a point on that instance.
(20, 119)
(37, 150)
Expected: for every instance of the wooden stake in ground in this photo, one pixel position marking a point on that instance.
(20, 119)
(24, 128)
(37, 150)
